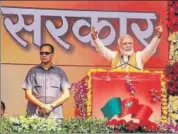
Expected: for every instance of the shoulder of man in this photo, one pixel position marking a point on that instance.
(115, 53)
(138, 52)
(58, 68)
(59, 71)
(33, 69)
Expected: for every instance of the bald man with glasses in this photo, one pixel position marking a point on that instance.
(46, 86)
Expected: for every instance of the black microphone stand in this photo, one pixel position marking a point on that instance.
(126, 63)
(108, 78)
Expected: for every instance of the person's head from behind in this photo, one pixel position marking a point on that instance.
(46, 53)
(125, 43)
(2, 108)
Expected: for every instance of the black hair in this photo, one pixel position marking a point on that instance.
(3, 105)
(46, 44)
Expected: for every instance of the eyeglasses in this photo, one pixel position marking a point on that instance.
(45, 53)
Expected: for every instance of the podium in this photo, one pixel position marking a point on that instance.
(140, 94)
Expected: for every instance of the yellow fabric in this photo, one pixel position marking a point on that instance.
(117, 61)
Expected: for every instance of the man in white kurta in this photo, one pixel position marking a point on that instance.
(126, 52)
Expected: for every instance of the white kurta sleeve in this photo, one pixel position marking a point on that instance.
(104, 51)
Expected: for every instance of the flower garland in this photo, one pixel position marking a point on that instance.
(89, 99)
(167, 128)
(173, 108)
(171, 73)
(172, 17)
(89, 93)
(131, 127)
(164, 101)
(173, 52)
(171, 70)
(80, 97)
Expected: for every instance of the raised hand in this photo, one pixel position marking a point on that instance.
(159, 30)
(94, 33)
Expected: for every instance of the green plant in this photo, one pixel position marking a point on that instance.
(43, 125)
(78, 125)
(30, 124)
(91, 125)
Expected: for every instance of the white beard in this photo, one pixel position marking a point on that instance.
(123, 52)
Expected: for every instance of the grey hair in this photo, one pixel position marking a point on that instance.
(122, 37)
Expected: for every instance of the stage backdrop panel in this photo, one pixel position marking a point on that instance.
(66, 25)
(106, 86)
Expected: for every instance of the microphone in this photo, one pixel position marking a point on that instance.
(126, 63)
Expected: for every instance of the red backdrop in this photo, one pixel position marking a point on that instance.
(108, 85)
